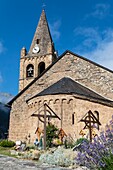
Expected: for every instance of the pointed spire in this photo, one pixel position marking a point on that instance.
(42, 37)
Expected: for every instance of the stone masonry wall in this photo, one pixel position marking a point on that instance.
(85, 72)
(82, 71)
(35, 61)
(64, 106)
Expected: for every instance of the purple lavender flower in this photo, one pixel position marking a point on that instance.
(94, 154)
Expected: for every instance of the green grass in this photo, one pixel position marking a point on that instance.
(5, 151)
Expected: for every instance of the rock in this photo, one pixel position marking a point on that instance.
(35, 155)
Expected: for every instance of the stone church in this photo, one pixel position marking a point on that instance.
(70, 85)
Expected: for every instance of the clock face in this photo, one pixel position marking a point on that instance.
(36, 49)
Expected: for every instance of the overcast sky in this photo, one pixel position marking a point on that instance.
(81, 26)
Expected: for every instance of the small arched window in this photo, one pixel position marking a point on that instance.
(73, 119)
(30, 70)
(41, 67)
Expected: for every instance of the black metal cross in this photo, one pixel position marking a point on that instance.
(90, 120)
(51, 114)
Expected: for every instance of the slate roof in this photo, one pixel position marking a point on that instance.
(43, 33)
(60, 57)
(68, 86)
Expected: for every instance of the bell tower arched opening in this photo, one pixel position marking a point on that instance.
(40, 55)
(41, 67)
(30, 71)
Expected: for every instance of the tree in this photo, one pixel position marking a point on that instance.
(51, 133)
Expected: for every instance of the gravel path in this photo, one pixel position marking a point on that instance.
(9, 163)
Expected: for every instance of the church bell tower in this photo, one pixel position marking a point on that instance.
(41, 54)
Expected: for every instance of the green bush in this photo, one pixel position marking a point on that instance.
(51, 133)
(81, 140)
(7, 143)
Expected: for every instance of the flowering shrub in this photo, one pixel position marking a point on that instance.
(99, 153)
(60, 157)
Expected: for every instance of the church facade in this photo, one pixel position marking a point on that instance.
(70, 85)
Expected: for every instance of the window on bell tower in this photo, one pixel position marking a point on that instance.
(41, 67)
(30, 70)
(37, 41)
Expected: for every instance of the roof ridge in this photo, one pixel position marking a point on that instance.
(67, 85)
(60, 57)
